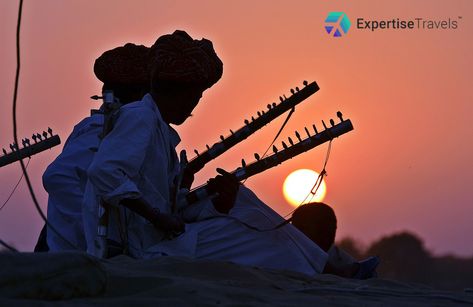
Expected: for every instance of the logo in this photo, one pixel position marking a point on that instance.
(337, 23)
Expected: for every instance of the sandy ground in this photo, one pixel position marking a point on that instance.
(77, 279)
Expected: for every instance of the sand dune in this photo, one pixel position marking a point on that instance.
(78, 279)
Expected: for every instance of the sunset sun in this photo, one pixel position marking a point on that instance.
(298, 186)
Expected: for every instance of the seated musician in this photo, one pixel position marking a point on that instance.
(136, 164)
(124, 70)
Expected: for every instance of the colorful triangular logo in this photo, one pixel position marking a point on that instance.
(337, 24)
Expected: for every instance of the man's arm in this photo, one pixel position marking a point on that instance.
(121, 155)
(162, 221)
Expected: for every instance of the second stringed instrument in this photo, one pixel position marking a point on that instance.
(43, 141)
(288, 152)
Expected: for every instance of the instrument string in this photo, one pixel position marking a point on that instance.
(318, 181)
(7, 246)
(316, 186)
(15, 187)
(277, 135)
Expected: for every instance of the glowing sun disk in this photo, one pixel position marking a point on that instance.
(298, 186)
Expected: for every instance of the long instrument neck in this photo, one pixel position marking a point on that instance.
(41, 142)
(250, 127)
(260, 165)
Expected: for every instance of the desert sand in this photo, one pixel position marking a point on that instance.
(77, 279)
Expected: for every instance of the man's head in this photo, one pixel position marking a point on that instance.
(318, 222)
(182, 69)
(125, 71)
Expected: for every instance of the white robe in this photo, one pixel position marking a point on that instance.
(138, 159)
(227, 238)
(65, 179)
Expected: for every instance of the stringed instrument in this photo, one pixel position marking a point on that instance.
(42, 142)
(263, 118)
(288, 152)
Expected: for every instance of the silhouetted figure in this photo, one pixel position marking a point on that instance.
(136, 163)
(124, 70)
(134, 171)
(319, 223)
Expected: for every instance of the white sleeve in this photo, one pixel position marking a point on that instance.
(197, 211)
(121, 155)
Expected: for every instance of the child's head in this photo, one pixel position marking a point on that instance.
(318, 222)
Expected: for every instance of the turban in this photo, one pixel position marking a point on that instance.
(179, 58)
(126, 65)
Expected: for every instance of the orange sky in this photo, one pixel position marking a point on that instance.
(407, 164)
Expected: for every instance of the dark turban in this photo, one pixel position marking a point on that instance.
(127, 65)
(179, 58)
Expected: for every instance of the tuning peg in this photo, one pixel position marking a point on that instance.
(284, 145)
(290, 141)
(196, 152)
(50, 131)
(268, 106)
(275, 149)
(257, 157)
(274, 104)
(4, 151)
(307, 131)
(332, 123)
(45, 134)
(27, 141)
(340, 115)
(222, 138)
(23, 142)
(281, 99)
(231, 132)
(284, 97)
(207, 146)
(12, 147)
(252, 118)
(246, 122)
(243, 163)
(259, 113)
(323, 123)
(39, 136)
(305, 82)
(262, 112)
(298, 136)
(315, 129)
(297, 88)
(96, 97)
(34, 138)
(292, 91)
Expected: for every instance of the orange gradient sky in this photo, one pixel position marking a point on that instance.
(407, 165)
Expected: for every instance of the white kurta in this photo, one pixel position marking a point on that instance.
(65, 179)
(227, 238)
(138, 159)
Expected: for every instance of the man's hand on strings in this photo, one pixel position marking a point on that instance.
(226, 186)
